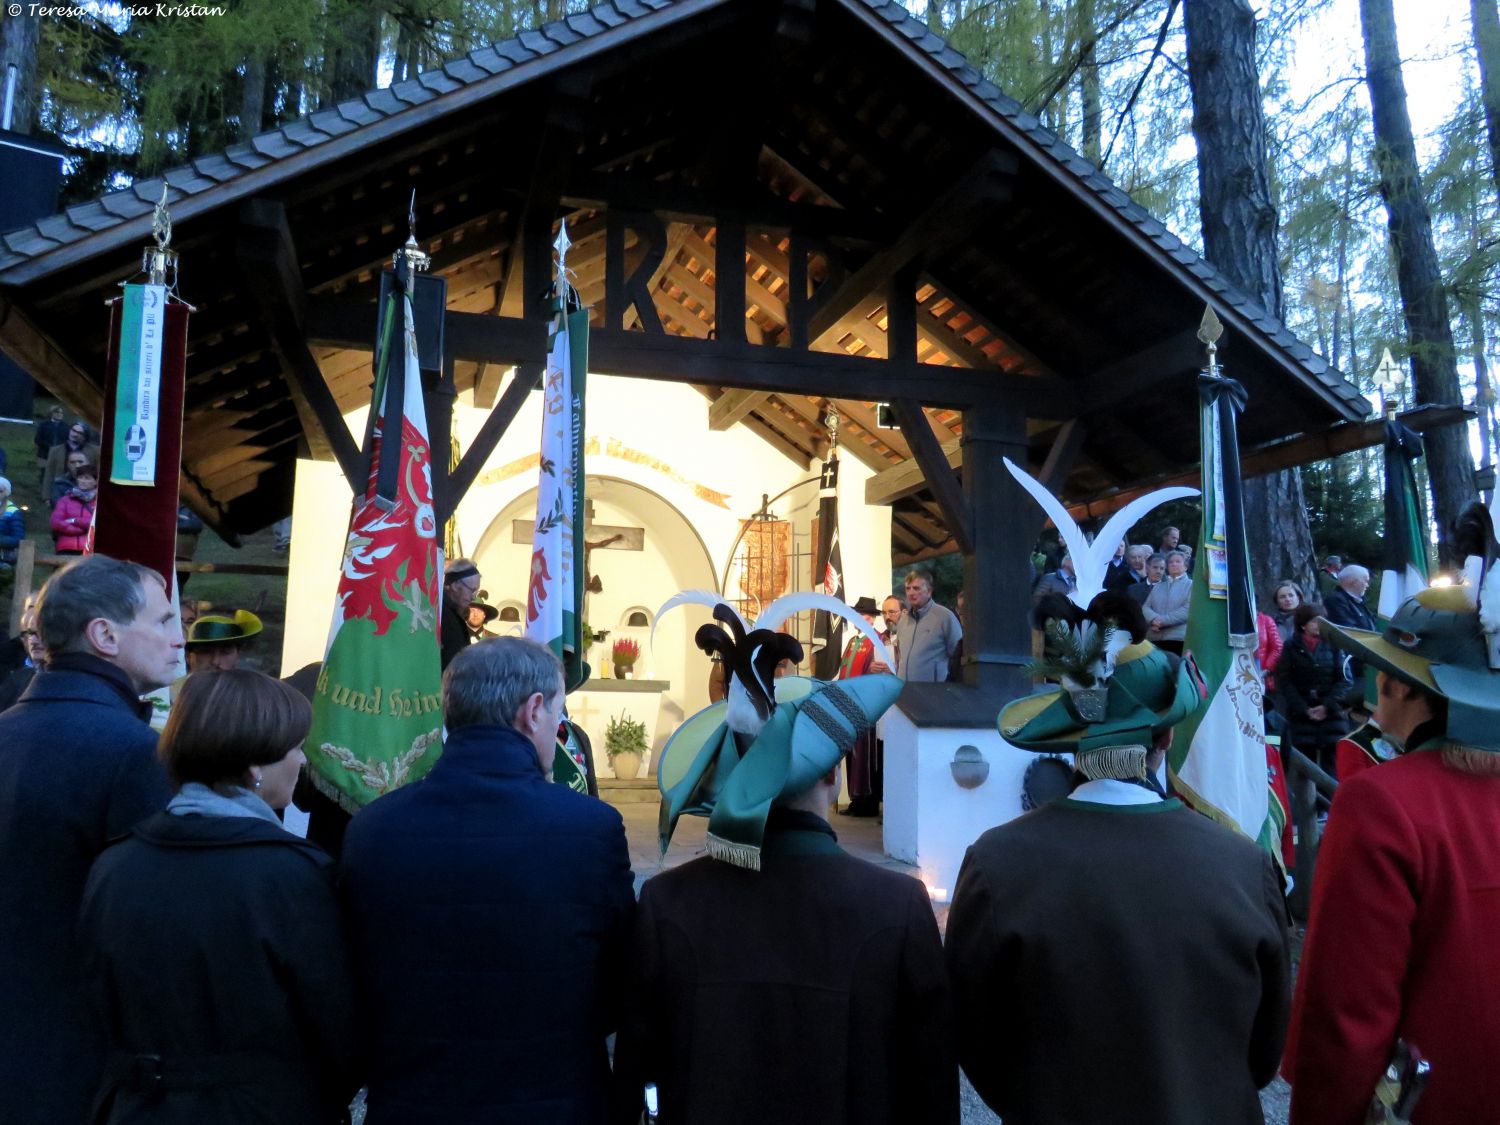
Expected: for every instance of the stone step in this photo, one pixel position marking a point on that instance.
(629, 791)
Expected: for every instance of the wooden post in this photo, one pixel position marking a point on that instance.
(25, 566)
(997, 590)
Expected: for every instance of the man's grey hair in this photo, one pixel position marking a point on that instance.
(920, 575)
(486, 683)
(1354, 570)
(1156, 556)
(93, 587)
(455, 570)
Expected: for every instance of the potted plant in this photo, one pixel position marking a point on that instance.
(625, 653)
(624, 743)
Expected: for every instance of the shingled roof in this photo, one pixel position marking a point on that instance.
(57, 266)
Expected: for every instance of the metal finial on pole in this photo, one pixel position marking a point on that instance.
(1209, 331)
(158, 261)
(416, 261)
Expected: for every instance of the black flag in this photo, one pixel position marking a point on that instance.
(828, 631)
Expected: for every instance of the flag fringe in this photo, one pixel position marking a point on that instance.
(333, 793)
(740, 855)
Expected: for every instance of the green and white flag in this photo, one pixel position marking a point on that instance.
(138, 385)
(377, 710)
(554, 593)
(1405, 540)
(1219, 761)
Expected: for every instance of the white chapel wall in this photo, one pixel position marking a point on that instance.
(653, 464)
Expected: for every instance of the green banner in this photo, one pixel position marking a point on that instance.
(377, 710)
(138, 385)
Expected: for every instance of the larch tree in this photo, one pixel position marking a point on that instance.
(20, 36)
(1485, 19)
(1424, 301)
(1239, 238)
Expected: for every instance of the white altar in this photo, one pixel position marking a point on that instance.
(598, 701)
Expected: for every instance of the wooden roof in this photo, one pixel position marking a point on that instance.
(947, 248)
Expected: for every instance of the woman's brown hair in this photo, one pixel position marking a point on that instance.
(225, 722)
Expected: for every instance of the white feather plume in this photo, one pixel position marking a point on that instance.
(1091, 560)
(694, 597)
(785, 606)
(1116, 641)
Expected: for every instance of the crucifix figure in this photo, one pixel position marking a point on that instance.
(596, 536)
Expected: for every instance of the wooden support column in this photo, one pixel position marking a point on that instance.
(997, 587)
(729, 282)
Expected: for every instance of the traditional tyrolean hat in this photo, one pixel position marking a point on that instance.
(215, 629)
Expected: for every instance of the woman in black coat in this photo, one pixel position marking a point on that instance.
(1316, 688)
(213, 949)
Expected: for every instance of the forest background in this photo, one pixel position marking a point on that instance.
(133, 95)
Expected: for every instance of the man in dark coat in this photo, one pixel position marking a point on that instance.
(1346, 605)
(1116, 957)
(808, 990)
(490, 914)
(460, 584)
(77, 768)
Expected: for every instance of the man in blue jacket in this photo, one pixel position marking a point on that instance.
(77, 768)
(490, 913)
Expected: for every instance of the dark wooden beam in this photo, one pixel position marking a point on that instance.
(928, 453)
(1067, 443)
(734, 406)
(779, 441)
(35, 353)
(1283, 454)
(948, 219)
(484, 443)
(335, 323)
(266, 254)
(907, 479)
(825, 374)
(1062, 454)
(680, 203)
(1163, 364)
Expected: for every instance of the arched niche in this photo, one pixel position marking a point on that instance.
(673, 558)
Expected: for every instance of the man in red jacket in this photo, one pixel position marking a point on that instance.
(1406, 902)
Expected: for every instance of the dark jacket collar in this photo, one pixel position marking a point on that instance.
(165, 830)
(793, 832)
(493, 751)
(82, 675)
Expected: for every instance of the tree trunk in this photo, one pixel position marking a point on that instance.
(19, 38)
(1486, 24)
(1341, 281)
(1424, 301)
(1088, 67)
(253, 99)
(1239, 238)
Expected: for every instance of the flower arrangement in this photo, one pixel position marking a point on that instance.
(626, 652)
(624, 736)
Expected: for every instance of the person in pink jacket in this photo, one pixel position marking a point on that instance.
(73, 515)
